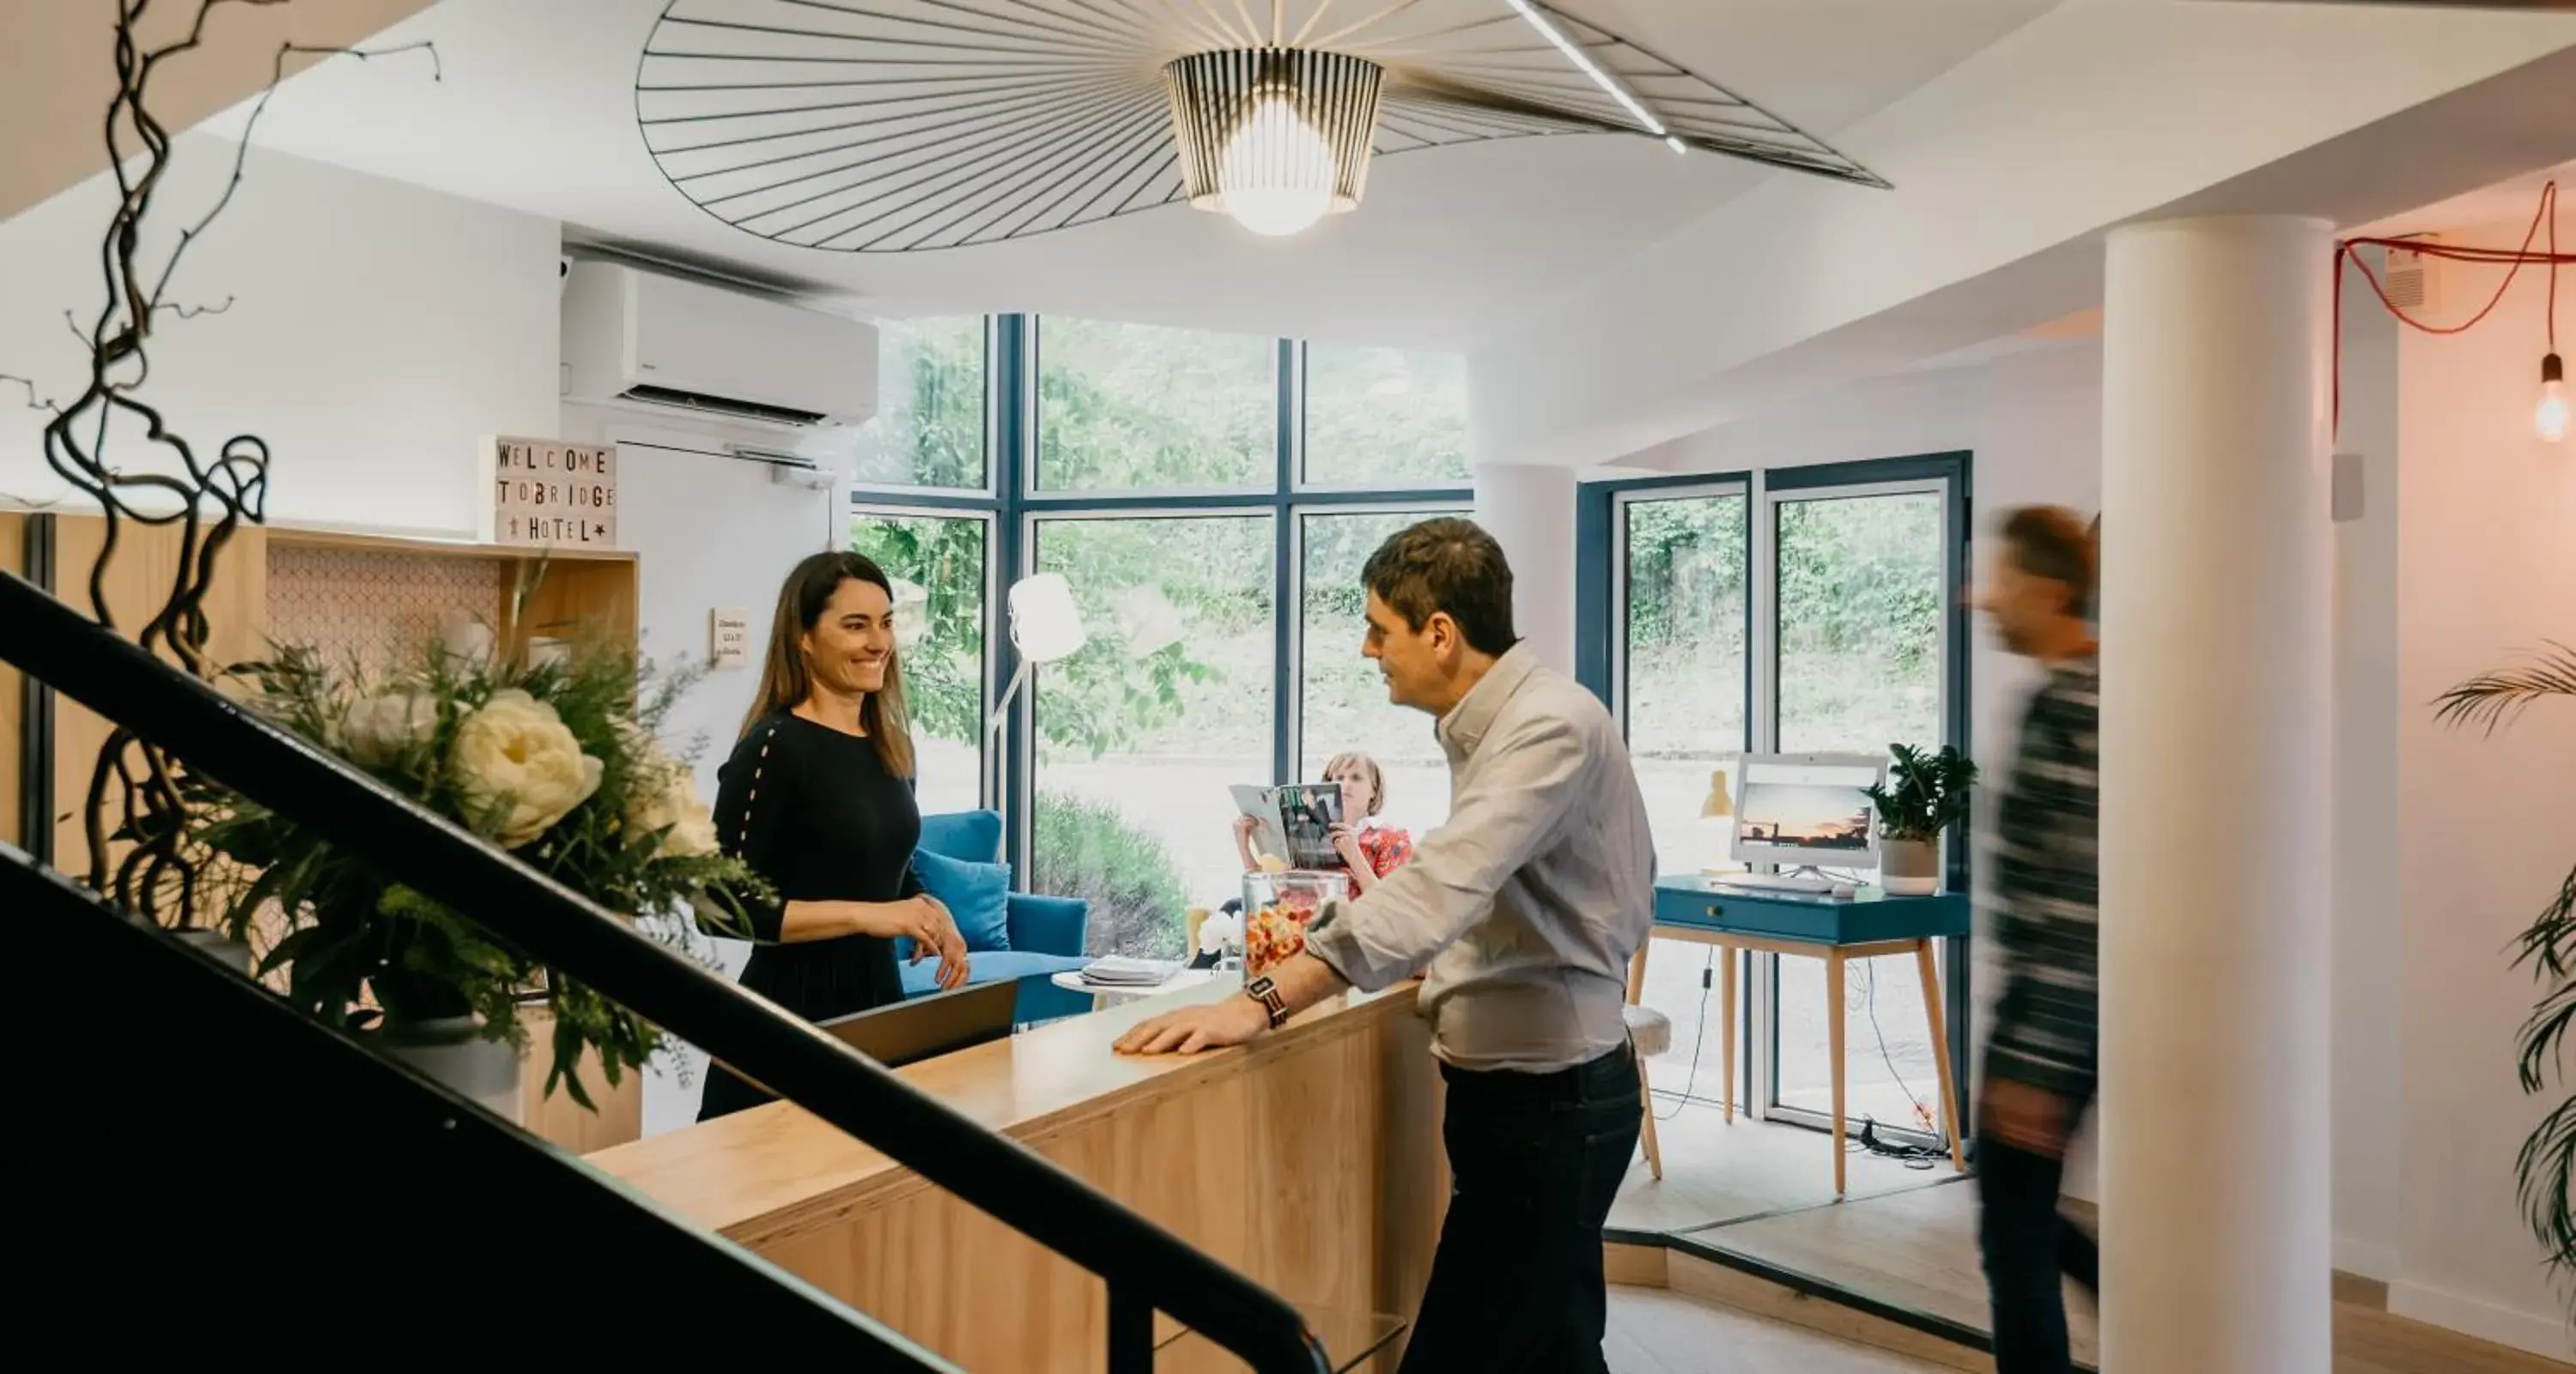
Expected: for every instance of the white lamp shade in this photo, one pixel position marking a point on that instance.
(1045, 624)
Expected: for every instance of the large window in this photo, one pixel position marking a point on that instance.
(929, 428)
(1385, 416)
(1125, 407)
(1141, 733)
(939, 565)
(1815, 611)
(1156, 470)
(1863, 604)
(1682, 678)
(1342, 704)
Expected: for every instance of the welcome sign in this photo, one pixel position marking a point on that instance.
(544, 493)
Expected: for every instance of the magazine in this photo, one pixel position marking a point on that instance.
(1296, 822)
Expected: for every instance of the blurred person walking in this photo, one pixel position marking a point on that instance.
(2040, 1064)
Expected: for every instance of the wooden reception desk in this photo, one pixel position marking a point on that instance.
(1309, 1160)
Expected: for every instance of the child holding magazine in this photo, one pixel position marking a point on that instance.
(1369, 851)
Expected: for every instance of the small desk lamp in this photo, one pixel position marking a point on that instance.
(1046, 627)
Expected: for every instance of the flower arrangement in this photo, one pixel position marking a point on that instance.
(1278, 906)
(551, 756)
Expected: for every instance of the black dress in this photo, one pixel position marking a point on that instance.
(814, 811)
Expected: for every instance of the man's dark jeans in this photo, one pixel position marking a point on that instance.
(1536, 1160)
(2028, 1246)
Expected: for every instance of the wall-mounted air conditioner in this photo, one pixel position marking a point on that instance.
(639, 338)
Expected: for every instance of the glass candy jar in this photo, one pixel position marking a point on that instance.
(1277, 908)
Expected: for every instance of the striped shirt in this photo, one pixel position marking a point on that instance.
(2048, 889)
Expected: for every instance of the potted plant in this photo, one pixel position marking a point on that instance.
(550, 756)
(1924, 795)
(2546, 1165)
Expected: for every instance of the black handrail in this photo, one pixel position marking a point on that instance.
(116, 678)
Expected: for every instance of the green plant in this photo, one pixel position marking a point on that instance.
(552, 759)
(1929, 795)
(1086, 849)
(2546, 1166)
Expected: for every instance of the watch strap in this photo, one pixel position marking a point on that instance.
(1267, 993)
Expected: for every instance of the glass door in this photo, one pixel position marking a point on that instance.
(1864, 602)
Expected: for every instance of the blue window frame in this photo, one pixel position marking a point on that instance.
(1016, 509)
(1934, 486)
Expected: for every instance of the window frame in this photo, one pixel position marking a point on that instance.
(1601, 619)
(1012, 506)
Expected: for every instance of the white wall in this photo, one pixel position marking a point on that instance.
(2486, 568)
(2368, 1075)
(377, 333)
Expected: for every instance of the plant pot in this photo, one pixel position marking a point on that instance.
(215, 945)
(1909, 868)
(452, 1051)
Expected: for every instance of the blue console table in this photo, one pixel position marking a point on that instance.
(1865, 926)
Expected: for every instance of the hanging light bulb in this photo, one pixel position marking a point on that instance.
(1276, 138)
(1276, 173)
(2550, 418)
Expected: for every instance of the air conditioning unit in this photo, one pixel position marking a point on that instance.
(639, 338)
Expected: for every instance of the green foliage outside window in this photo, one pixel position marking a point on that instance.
(1086, 849)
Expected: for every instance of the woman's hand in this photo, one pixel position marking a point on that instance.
(938, 933)
(1346, 842)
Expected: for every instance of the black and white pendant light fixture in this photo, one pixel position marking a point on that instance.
(870, 126)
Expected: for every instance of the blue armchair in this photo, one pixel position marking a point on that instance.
(1045, 932)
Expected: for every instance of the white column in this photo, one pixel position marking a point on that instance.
(2216, 798)
(1530, 512)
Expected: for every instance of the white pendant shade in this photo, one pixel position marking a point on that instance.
(1045, 624)
(1277, 138)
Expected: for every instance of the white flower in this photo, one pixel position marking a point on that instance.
(517, 750)
(666, 799)
(376, 730)
(1220, 934)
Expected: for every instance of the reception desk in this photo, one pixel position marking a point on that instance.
(1309, 1160)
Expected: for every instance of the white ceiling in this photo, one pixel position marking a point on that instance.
(536, 112)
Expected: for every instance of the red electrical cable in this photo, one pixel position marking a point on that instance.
(2545, 214)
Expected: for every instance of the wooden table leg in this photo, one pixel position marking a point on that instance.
(1932, 1010)
(1726, 956)
(1834, 1050)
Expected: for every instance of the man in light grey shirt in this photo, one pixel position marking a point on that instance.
(1522, 913)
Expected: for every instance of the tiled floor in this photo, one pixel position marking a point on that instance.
(1715, 1172)
(1657, 1332)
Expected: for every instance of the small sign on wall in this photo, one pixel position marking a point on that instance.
(729, 638)
(544, 493)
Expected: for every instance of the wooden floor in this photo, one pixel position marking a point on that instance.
(1917, 1250)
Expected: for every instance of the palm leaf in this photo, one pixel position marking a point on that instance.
(2492, 700)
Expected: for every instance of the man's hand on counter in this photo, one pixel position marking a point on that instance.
(1191, 1029)
(1302, 982)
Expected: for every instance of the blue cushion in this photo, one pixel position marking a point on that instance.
(974, 836)
(977, 894)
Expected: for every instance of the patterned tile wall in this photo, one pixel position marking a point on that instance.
(374, 606)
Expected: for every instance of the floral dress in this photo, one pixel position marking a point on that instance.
(1385, 847)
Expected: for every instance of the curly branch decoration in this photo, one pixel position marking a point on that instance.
(155, 878)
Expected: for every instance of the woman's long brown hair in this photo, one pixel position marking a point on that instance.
(786, 680)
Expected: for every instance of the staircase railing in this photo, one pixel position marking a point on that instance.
(1145, 1268)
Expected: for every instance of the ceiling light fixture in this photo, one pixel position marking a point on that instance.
(901, 126)
(1275, 137)
(1610, 85)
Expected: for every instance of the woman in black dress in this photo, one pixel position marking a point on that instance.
(817, 798)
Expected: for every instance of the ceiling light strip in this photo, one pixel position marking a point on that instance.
(1600, 75)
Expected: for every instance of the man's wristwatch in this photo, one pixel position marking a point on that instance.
(1267, 993)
